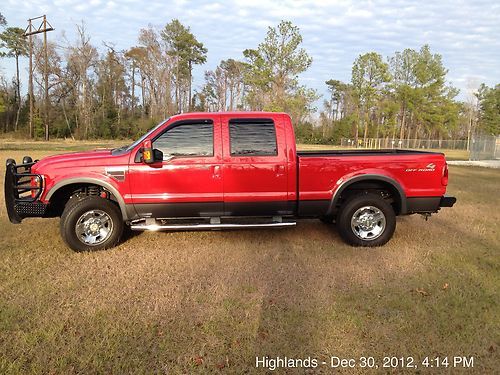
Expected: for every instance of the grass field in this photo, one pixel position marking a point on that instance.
(198, 302)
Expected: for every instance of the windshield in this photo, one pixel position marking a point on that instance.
(128, 148)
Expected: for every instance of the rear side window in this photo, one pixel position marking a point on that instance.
(252, 138)
(187, 140)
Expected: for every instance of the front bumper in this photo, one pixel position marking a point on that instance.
(21, 198)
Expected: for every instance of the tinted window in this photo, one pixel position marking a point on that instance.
(252, 138)
(187, 140)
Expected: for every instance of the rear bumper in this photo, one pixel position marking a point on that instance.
(19, 201)
(447, 201)
(428, 204)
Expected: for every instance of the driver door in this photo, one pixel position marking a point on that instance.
(188, 182)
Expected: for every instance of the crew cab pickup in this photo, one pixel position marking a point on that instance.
(224, 171)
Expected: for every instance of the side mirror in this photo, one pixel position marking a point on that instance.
(157, 155)
(147, 152)
(150, 155)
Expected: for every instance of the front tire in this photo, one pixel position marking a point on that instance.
(366, 220)
(91, 223)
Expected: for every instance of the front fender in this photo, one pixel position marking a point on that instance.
(95, 179)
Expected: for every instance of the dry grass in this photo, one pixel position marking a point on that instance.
(58, 145)
(212, 301)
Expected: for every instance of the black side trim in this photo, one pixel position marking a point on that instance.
(316, 208)
(210, 209)
(186, 209)
(268, 208)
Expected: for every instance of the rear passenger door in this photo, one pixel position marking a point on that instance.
(254, 167)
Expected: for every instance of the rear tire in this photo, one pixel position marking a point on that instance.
(366, 220)
(91, 224)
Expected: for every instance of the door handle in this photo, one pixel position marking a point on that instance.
(216, 171)
(280, 170)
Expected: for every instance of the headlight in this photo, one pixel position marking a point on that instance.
(36, 185)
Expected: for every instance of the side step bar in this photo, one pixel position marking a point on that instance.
(160, 227)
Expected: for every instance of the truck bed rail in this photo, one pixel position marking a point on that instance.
(362, 152)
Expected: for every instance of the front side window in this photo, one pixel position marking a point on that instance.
(252, 138)
(187, 140)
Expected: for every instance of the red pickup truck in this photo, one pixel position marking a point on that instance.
(221, 171)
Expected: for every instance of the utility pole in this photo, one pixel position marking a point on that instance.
(30, 90)
(44, 27)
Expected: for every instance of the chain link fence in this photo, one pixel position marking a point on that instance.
(424, 144)
(485, 147)
(480, 147)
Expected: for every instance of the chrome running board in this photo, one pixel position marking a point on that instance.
(161, 227)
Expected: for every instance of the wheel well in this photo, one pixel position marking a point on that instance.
(62, 195)
(383, 188)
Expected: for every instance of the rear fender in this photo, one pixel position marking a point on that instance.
(366, 177)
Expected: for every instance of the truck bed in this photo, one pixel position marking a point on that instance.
(322, 172)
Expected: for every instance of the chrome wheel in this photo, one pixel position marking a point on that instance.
(368, 223)
(94, 227)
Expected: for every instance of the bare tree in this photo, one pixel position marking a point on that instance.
(82, 59)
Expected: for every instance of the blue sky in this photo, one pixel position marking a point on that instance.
(465, 33)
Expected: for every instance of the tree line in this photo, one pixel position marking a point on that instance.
(405, 96)
(110, 93)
